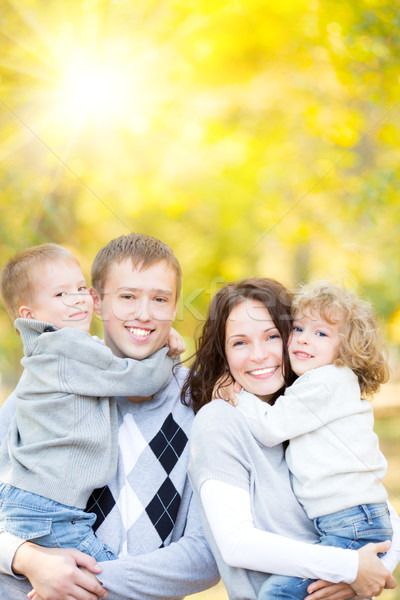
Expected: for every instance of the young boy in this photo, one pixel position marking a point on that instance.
(63, 442)
(146, 513)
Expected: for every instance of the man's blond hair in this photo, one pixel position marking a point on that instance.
(141, 249)
(17, 276)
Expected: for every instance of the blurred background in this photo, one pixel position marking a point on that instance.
(256, 138)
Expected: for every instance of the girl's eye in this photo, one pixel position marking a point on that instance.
(83, 288)
(298, 329)
(321, 334)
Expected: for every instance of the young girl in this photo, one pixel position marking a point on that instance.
(333, 452)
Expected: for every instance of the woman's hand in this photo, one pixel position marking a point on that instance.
(226, 389)
(176, 344)
(54, 573)
(372, 576)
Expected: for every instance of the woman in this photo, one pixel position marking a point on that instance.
(243, 488)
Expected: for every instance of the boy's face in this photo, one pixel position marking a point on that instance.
(61, 296)
(314, 342)
(137, 308)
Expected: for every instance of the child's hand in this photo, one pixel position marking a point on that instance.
(226, 389)
(176, 344)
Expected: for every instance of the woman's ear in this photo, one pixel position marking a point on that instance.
(26, 312)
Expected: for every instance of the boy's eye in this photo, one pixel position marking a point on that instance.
(82, 288)
(60, 294)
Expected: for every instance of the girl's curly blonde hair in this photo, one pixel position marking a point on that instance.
(362, 347)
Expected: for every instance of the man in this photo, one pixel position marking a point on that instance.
(146, 513)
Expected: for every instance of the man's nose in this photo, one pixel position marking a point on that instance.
(142, 310)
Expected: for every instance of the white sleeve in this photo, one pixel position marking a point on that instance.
(228, 511)
(392, 557)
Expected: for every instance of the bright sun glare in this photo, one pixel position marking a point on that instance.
(90, 90)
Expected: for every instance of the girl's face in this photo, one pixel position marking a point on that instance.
(253, 348)
(314, 343)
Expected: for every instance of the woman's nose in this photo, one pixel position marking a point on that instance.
(259, 354)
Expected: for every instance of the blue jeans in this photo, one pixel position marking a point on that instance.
(48, 523)
(350, 528)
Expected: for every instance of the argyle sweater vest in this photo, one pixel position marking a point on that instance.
(139, 511)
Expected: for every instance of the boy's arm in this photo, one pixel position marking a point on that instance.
(82, 365)
(7, 412)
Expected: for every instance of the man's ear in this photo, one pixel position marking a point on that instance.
(175, 310)
(96, 301)
(26, 312)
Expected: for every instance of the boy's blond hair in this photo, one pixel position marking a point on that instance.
(141, 249)
(362, 347)
(17, 276)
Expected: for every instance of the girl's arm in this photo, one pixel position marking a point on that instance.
(228, 512)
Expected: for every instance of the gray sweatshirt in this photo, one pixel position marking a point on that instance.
(62, 442)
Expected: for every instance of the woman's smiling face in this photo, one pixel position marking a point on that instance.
(253, 347)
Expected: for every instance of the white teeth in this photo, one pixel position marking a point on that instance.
(263, 371)
(139, 332)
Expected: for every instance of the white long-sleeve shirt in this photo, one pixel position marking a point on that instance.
(333, 453)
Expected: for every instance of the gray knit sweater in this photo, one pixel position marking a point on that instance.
(62, 442)
(223, 448)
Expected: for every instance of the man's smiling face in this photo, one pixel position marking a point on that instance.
(137, 308)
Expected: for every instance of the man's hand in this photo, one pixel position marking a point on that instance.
(54, 573)
(333, 591)
(372, 576)
(176, 344)
(226, 389)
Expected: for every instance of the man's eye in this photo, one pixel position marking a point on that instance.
(127, 297)
(160, 300)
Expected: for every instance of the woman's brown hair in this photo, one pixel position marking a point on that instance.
(210, 363)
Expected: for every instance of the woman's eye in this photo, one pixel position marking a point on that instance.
(274, 336)
(238, 343)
